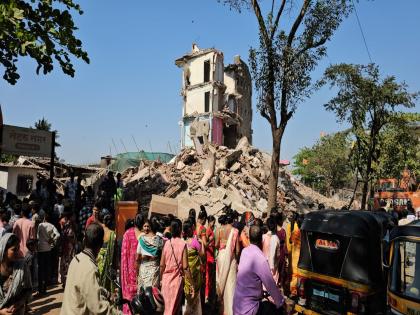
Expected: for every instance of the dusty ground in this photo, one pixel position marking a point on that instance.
(49, 304)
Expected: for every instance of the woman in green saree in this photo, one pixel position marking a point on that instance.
(106, 259)
(195, 253)
(149, 251)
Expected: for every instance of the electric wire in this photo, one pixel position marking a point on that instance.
(361, 31)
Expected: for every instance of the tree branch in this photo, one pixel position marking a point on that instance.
(264, 114)
(321, 42)
(297, 22)
(276, 22)
(261, 23)
(272, 8)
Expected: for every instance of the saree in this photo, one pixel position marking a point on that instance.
(193, 306)
(226, 273)
(128, 271)
(68, 247)
(281, 234)
(271, 251)
(172, 277)
(150, 249)
(20, 281)
(210, 270)
(105, 261)
(295, 253)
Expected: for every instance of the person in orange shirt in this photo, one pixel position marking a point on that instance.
(293, 244)
(248, 220)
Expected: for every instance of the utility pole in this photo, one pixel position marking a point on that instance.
(52, 157)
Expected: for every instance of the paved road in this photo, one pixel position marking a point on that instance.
(50, 304)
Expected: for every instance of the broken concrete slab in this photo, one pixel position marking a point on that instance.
(217, 194)
(235, 167)
(227, 161)
(180, 165)
(262, 205)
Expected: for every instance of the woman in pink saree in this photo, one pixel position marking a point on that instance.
(173, 267)
(129, 271)
(227, 242)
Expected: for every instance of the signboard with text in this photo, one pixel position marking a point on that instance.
(26, 141)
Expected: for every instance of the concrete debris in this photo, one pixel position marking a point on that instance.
(180, 165)
(236, 166)
(218, 178)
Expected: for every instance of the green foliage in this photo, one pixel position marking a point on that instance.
(399, 146)
(41, 29)
(43, 124)
(7, 158)
(368, 103)
(282, 64)
(302, 166)
(326, 164)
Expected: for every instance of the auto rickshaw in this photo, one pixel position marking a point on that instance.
(404, 271)
(340, 269)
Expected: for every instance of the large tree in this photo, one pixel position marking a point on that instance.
(289, 49)
(42, 30)
(368, 102)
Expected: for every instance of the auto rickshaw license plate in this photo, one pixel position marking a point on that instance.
(326, 295)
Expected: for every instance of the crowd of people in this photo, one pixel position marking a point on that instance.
(199, 265)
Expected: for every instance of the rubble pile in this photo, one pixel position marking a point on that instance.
(217, 178)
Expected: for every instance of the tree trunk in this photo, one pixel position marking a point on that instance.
(354, 193)
(366, 183)
(274, 170)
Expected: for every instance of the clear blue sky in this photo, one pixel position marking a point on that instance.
(131, 88)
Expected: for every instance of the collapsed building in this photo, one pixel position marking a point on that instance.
(219, 178)
(217, 105)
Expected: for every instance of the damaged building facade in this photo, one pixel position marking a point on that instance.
(217, 100)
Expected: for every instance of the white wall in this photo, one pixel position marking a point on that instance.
(196, 67)
(3, 179)
(14, 172)
(195, 100)
(230, 83)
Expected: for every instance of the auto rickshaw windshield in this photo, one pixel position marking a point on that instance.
(405, 272)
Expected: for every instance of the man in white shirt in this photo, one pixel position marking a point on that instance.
(48, 237)
(83, 294)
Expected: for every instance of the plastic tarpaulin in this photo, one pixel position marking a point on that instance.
(132, 159)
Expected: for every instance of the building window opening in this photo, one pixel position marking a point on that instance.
(24, 184)
(232, 105)
(207, 71)
(206, 102)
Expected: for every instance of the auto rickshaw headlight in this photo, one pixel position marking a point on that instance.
(358, 303)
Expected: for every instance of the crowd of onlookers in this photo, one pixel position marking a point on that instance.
(195, 263)
(199, 265)
(47, 229)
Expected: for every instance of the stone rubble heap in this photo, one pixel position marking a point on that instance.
(218, 178)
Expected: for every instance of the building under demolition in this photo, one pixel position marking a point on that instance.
(217, 100)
